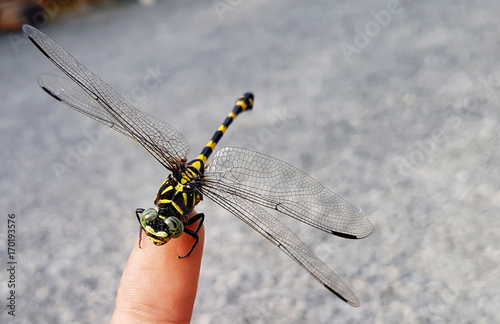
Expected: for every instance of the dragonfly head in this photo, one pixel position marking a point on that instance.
(160, 229)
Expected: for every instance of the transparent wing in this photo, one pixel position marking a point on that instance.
(161, 140)
(281, 236)
(73, 96)
(274, 184)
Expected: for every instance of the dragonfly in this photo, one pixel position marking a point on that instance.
(246, 183)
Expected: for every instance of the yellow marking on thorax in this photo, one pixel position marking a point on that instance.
(167, 190)
(188, 175)
(171, 202)
(177, 207)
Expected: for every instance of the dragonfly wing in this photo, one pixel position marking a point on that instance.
(281, 236)
(277, 185)
(73, 96)
(163, 141)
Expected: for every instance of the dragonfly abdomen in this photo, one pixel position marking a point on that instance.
(245, 102)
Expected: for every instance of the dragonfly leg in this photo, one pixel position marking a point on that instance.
(138, 213)
(193, 234)
(194, 219)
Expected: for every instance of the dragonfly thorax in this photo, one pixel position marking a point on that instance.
(178, 196)
(176, 199)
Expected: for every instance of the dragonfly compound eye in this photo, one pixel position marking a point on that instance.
(174, 226)
(160, 229)
(148, 217)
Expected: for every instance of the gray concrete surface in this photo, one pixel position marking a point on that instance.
(394, 107)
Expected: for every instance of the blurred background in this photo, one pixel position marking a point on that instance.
(15, 13)
(391, 104)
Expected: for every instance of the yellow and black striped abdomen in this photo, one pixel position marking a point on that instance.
(243, 103)
(178, 195)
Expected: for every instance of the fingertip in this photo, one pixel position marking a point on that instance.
(157, 285)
